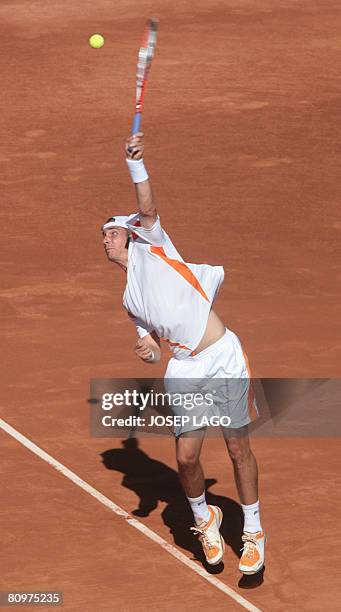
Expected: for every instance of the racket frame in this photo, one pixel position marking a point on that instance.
(145, 56)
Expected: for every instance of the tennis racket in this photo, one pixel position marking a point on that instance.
(145, 56)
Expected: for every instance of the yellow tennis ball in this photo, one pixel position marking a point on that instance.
(96, 41)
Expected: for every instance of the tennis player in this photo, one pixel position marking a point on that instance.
(172, 300)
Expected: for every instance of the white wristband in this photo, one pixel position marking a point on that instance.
(151, 359)
(137, 170)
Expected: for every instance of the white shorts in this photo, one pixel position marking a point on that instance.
(217, 381)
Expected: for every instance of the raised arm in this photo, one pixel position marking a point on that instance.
(145, 200)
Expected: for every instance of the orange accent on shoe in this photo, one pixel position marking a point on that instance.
(209, 549)
(210, 552)
(250, 554)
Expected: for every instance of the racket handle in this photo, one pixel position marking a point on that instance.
(136, 123)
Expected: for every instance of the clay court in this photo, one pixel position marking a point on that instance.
(242, 128)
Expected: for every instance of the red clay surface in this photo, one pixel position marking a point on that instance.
(242, 129)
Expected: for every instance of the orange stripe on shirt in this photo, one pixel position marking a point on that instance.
(181, 268)
(182, 346)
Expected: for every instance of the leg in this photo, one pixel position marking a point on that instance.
(244, 464)
(208, 518)
(246, 477)
(188, 448)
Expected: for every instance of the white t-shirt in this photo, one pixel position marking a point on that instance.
(165, 294)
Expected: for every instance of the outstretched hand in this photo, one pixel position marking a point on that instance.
(134, 146)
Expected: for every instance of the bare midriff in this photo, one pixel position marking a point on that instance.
(215, 329)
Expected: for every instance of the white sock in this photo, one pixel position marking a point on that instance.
(252, 518)
(199, 508)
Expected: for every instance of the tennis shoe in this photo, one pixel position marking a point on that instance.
(209, 535)
(253, 552)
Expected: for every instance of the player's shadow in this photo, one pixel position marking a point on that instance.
(153, 481)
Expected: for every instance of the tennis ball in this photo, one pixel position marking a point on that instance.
(96, 41)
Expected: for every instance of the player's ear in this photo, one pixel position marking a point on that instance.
(128, 239)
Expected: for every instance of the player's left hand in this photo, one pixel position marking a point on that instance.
(134, 146)
(143, 351)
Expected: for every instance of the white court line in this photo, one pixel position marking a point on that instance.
(132, 522)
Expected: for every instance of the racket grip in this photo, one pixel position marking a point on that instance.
(136, 123)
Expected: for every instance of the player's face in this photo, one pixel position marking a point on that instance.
(114, 241)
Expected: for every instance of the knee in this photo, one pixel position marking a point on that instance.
(239, 453)
(187, 460)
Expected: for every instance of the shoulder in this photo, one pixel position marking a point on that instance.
(154, 235)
